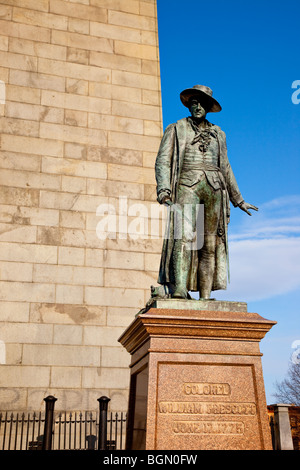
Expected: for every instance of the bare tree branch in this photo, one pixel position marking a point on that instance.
(288, 391)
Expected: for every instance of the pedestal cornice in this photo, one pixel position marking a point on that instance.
(234, 325)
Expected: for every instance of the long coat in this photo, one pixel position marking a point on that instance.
(167, 171)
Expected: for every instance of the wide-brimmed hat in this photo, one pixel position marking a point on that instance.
(203, 91)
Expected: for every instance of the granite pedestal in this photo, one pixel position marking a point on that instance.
(196, 377)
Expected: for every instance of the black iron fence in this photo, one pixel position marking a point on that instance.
(20, 431)
(50, 430)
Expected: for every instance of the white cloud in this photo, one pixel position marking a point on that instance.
(261, 269)
(265, 253)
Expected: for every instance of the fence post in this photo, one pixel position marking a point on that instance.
(48, 430)
(103, 404)
(282, 428)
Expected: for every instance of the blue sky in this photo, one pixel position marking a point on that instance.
(248, 53)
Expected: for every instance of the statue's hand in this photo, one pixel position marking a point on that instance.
(245, 207)
(164, 197)
(167, 201)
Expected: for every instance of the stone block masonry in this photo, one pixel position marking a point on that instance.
(80, 116)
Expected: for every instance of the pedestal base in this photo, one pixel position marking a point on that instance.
(196, 379)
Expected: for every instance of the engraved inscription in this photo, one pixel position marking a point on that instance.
(180, 407)
(204, 408)
(231, 408)
(207, 389)
(208, 427)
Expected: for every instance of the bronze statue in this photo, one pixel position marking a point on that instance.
(192, 168)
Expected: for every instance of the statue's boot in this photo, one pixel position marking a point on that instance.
(206, 275)
(180, 293)
(181, 263)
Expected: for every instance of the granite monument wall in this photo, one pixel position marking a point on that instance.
(80, 112)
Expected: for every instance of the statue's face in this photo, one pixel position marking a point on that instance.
(196, 109)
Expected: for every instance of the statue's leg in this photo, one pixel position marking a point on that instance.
(182, 261)
(212, 200)
(207, 266)
(185, 228)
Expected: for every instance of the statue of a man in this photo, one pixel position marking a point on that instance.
(192, 168)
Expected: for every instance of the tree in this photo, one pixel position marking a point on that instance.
(288, 391)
